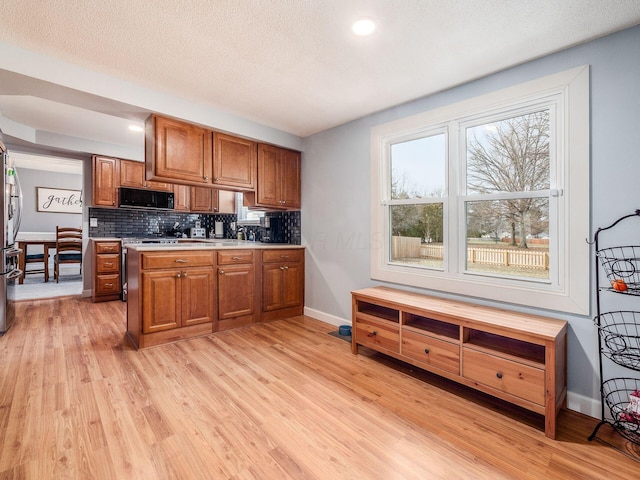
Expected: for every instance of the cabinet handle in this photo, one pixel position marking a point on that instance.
(108, 264)
(237, 258)
(372, 334)
(217, 179)
(285, 268)
(426, 350)
(284, 256)
(499, 374)
(206, 177)
(108, 284)
(181, 260)
(184, 275)
(178, 275)
(221, 272)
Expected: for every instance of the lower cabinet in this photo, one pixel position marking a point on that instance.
(236, 287)
(513, 356)
(178, 294)
(106, 271)
(282, 283)
(170, 296)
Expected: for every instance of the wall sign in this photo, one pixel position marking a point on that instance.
(58, 200)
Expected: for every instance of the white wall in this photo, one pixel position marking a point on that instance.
(34, 221)
(335, 188)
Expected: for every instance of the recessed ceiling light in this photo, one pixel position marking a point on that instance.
(136, 128)
(363, 27)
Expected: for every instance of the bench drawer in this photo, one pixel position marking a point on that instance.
(431, 351)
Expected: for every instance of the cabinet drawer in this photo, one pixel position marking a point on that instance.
(431, 351)
(270, 256)
(231, 257)
(107, 284)
(508, 376)
(176, 260)
(377, 335)
(107, 263)
(108, 247)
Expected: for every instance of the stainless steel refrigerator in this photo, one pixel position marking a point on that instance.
(10, 224)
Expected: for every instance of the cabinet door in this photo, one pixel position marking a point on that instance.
(161, 186)
(197, 295)
(234, 162)
(268, 188)
(235, 291)
(203, 199)
(293, 291)
(181, 151)
(160, 300)
(290, 171)
(105, 181)
(131, 174)
(181, 198)
(272, 287)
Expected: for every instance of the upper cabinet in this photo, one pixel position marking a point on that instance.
(132, 175)
(278, 179)
(105, 181)
(234, 162)
(180, 152)
(177, 151)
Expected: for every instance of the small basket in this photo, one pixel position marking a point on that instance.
(620, 334)
(622, 263)
(615, 393)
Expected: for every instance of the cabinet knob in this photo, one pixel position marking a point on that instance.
(206, 177)
(184, 274)
(221, 272)
(285, 268)
(499, 374)
(372, 334)
(281, 268)
(178, 275)
(217, 179)
(426, 350)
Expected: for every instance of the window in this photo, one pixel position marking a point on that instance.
(489, 197)
(246, 216)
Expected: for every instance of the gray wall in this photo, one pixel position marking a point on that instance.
(34, 221)
(336, 169)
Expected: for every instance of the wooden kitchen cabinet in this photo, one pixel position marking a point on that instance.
(204, 200)
(282, 283)
(182, 198)
(236, 287)
(177, 151)
(516, 357)
(278, 184)
(132, 175)
(170, 296)
(106, 173)
(106, 261)
(234, 162)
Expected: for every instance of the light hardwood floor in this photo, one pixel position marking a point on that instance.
(282, 400)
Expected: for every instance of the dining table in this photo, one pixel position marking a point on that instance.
(24, 244)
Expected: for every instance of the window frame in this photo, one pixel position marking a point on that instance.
(568, 288)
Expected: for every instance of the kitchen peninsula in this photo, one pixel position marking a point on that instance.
(194, 288)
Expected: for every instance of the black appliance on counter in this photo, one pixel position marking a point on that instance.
(273, 230)
(139, 198)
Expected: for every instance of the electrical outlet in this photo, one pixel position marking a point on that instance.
(93, 222)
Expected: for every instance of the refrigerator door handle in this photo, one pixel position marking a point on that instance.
(13, 274)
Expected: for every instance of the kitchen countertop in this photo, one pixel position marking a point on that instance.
(208, 244)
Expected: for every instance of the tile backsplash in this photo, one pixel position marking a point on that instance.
(121, 222)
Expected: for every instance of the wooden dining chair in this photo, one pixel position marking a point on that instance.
(35, 258)
(68, 248)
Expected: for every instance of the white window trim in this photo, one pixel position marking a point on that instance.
(572, 292)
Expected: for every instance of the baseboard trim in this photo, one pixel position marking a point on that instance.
(325, 317)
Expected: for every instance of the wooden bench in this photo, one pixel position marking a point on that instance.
(513, 356)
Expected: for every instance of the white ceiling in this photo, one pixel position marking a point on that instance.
(292, 65)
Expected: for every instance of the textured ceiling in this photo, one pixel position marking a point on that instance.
(294, 64)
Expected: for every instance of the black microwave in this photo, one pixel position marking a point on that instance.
(139, 198)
